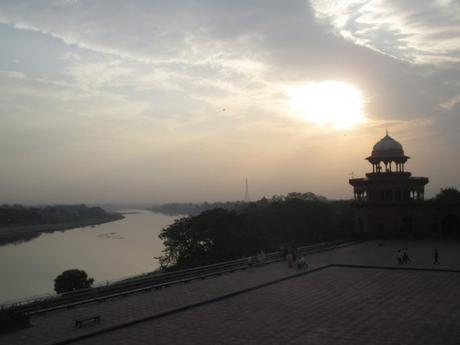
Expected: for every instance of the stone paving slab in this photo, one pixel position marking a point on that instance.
(329, 307)
(57, 325)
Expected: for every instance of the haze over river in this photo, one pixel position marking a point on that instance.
(108, 251)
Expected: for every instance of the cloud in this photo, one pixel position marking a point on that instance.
(451, 103)
(179, 94)
(415, 31)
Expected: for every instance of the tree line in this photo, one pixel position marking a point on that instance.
(190, 208)
(220, 234)
(15, 215)
(225, 231)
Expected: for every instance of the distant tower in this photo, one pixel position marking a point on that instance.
(246, 192)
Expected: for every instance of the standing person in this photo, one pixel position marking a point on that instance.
(290, 260)
(436, 257)
(261, 258)
(294, 253)
(283, 252)
(250, 261)
(405, 257)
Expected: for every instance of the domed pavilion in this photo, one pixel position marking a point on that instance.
(387, 200)
(388, 181)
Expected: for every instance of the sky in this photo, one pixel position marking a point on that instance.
(166, 101)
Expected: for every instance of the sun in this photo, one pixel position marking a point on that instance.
(328, 103)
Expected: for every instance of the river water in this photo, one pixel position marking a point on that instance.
(106, 252)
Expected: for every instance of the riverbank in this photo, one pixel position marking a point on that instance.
(22, 233)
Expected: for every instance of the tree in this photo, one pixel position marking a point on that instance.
(209, 237)
(448, 195)
(220, 234)
(72, 280)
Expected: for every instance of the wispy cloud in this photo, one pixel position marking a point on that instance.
(415, 31)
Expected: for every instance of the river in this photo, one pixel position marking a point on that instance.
(106, 252)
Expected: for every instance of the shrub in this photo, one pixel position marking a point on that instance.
(72, 280)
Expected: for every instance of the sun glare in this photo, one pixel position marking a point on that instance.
(328, 103)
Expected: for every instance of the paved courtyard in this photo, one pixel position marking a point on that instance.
(333, 306)
(336, 305)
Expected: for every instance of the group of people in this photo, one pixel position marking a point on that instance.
(291, 256)
(403, 257)
(288, 252)
(299, 261)
(257, 260)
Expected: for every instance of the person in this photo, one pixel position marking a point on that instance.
(436, 257)
(294, 253)
(405, 257)
(250, 261)
(283, 252)
(261, 258)
(301, 263)
(400, 258)
(290, 260)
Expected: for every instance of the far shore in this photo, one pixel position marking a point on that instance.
(21, 233)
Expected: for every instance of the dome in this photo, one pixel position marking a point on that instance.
(387, 147)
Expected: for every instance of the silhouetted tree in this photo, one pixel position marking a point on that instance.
(72, 280)
(448, 195)
(211, 236)
(221, 234)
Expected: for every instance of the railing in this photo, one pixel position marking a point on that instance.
(149, 281)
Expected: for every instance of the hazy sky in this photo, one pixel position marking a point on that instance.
(151, 101)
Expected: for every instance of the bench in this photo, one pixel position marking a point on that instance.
(95, 320)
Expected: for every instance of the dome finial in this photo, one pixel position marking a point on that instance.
(387, 132)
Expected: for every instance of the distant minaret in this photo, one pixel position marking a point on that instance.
(246, 192)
